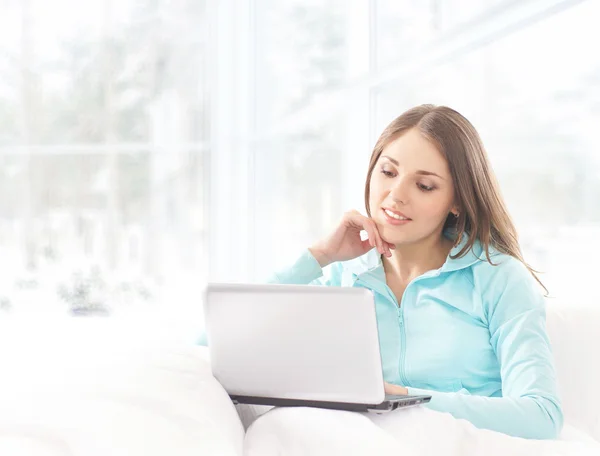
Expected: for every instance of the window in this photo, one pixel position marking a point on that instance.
(103, 149)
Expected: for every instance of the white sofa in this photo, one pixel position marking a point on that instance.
(152, 398)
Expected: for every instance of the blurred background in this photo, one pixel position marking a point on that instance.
(149, 146)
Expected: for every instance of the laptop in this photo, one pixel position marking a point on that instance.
(298, 345)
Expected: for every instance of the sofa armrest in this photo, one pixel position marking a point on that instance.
(575, 336)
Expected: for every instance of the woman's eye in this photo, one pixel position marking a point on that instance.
(425, 188)
(387, 173)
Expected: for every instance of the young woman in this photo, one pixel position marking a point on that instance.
(460, 313)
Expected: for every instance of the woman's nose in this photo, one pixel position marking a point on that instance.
(399, 192)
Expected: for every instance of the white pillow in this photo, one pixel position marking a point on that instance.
(90, 395)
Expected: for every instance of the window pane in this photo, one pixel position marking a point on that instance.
(454, 13)
(402, 27)
(300, 53)
(103, 144)
(405, 27)
(298, 194)
(95, 74)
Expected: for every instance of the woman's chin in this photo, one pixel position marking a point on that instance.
(391, 235)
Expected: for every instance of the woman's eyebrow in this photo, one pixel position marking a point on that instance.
(427, 173)
(419, 171)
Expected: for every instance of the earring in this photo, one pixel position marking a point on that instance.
(455, 214)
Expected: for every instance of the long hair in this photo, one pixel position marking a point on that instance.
(483, 213)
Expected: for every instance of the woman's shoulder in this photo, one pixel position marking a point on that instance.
(485, 263)
(499, 264)
(500, 272)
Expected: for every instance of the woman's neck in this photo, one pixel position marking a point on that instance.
(411, 260)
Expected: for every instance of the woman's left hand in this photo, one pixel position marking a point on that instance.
(395, 390)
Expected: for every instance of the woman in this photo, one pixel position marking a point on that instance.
(460, 313)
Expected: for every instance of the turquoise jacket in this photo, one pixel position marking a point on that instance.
(470, 334)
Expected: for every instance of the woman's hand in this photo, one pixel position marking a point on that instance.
(395, 390)
(344, 242)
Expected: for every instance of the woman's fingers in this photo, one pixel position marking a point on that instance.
(365, 223)
(360, 222)
(372, 233)
(389, 388)
(382, 246)
(367, 245)
(395, 390)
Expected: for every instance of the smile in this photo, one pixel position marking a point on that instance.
(395, 218)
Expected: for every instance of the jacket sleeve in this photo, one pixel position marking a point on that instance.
(307, 271)
(529, 406)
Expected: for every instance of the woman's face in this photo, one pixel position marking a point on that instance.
(411, 190)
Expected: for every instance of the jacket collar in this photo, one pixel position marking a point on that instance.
(371, 262)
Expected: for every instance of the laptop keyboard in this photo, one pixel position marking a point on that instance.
(411, 399)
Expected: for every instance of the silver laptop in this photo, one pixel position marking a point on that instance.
(298, 345)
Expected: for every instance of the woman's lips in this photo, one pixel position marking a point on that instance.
(394, 221)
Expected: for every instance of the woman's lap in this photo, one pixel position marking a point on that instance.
(414, 431)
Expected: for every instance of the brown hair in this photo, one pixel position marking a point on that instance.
(483, 215)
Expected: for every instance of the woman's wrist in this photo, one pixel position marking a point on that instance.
(320, 256)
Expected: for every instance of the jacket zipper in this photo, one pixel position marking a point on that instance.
(403, 349)
(400, 314)
(402, 360)
(402, 367)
